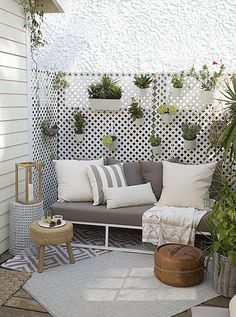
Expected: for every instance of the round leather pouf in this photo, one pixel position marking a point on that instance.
(179, 265)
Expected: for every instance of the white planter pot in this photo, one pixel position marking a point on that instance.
(139, 121)
(167, 118)
(105, 104)
(176, 92)
(113, 146)
(156, 149)
(206, 96)
(143, 92)
(190, 145)
(79, 137)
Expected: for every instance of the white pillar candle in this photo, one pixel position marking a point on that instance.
(31, 192)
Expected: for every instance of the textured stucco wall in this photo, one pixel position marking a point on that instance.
(139, 35)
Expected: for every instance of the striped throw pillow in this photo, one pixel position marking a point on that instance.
(105, 176)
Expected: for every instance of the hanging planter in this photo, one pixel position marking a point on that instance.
(79, 137)
(167, 113)
(177, 92)
(136, 112)
(156, 149)
(79, 124)
(189, 133)
(105, 95)
(110, 142)
(206, 96)
(155, 143)
(49, 131)
(143, 82)
(177, 81)
(190, 144)
(139, 121)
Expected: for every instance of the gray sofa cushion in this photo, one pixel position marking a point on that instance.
(86, 212)
(132, 171)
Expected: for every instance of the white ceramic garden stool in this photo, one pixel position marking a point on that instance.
(21, 217)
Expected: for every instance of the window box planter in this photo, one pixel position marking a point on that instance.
(176, 92)
(156, 150)
(105, 104)
(167, 118)
(206, 96)
(190, 144)
(79, 137)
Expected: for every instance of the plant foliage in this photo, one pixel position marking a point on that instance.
(190, 130)
(163, 109)
(207, 79)
(106, 88)
(154, 140)
(48, 130)
(135, 110)
(177, 80)
(142, 81)
(60, 81)
(108, 139)
(79, 122)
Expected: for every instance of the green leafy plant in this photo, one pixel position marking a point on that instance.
(142, 81)
(60, 81)
(177, 80)
(227, 138)
(135, 110)
(49, 130)
(207, 79)
(154, 140)
(108, 139)
(79, 122)
(106, 88)
(34, 20)
(190, 130)
(222, 220)
(163, 109)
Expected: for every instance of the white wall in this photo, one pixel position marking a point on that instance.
(139, 35)
(13, 106)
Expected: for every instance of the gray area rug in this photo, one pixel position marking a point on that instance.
(114, 284)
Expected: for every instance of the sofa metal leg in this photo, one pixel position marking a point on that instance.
(106, 236)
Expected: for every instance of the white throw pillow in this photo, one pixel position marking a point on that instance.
(129, 196)
(73, 182)
(186, 185)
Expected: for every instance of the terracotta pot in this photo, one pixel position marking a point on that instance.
(79, 137)
(190, 144)
(105, 104)
(167, 118)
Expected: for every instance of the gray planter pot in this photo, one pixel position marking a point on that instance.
(224, 276)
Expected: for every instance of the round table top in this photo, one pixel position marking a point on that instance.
(50, 236)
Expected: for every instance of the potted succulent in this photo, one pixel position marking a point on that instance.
(209, 81)
(167, 113)
(177, 81)
(48, 130)
(189, 133)
(105, 94)
(136, 112)
(143, 82)
(155, 143)
(79, 123)
(60, 81)
(110, 142)
(222, 228)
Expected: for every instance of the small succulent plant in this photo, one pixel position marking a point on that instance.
(164, 109)
(106, 88)
(154, 140)
(177, 80)
(108, 139)
(79, 122)
(190, 130)
(142, 81)
(135, 110)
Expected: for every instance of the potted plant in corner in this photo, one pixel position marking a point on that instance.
(167, 113)
(136, 112)
(177, 81)
(105, 94)
(143, 82)
(110, 142)
(189, 134)
(79, 123)
(209, 81)
(155, 143)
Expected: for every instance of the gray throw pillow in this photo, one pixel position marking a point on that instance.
(132, 171)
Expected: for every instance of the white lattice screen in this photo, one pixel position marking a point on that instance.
(59, 107)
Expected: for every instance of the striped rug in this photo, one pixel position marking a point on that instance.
(57, 255)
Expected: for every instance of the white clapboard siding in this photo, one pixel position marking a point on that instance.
(4, 220)
(12, 20)
(14, 145)
(11, 152)
(14, 61)
(10, 47)
(13, 126)
(13, 114)
(12, 87)
(14, 101)
(9, 165)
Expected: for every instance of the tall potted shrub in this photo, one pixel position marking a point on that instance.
(208, 80)
(79, 124)
(143, 82)
(105, 94)
(189, 134)
(167, 113)
(177, 81)
(155, 143)
(136, 112)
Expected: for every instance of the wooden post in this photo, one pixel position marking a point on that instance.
(16, 183)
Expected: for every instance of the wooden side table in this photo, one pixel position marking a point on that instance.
(51, 236)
